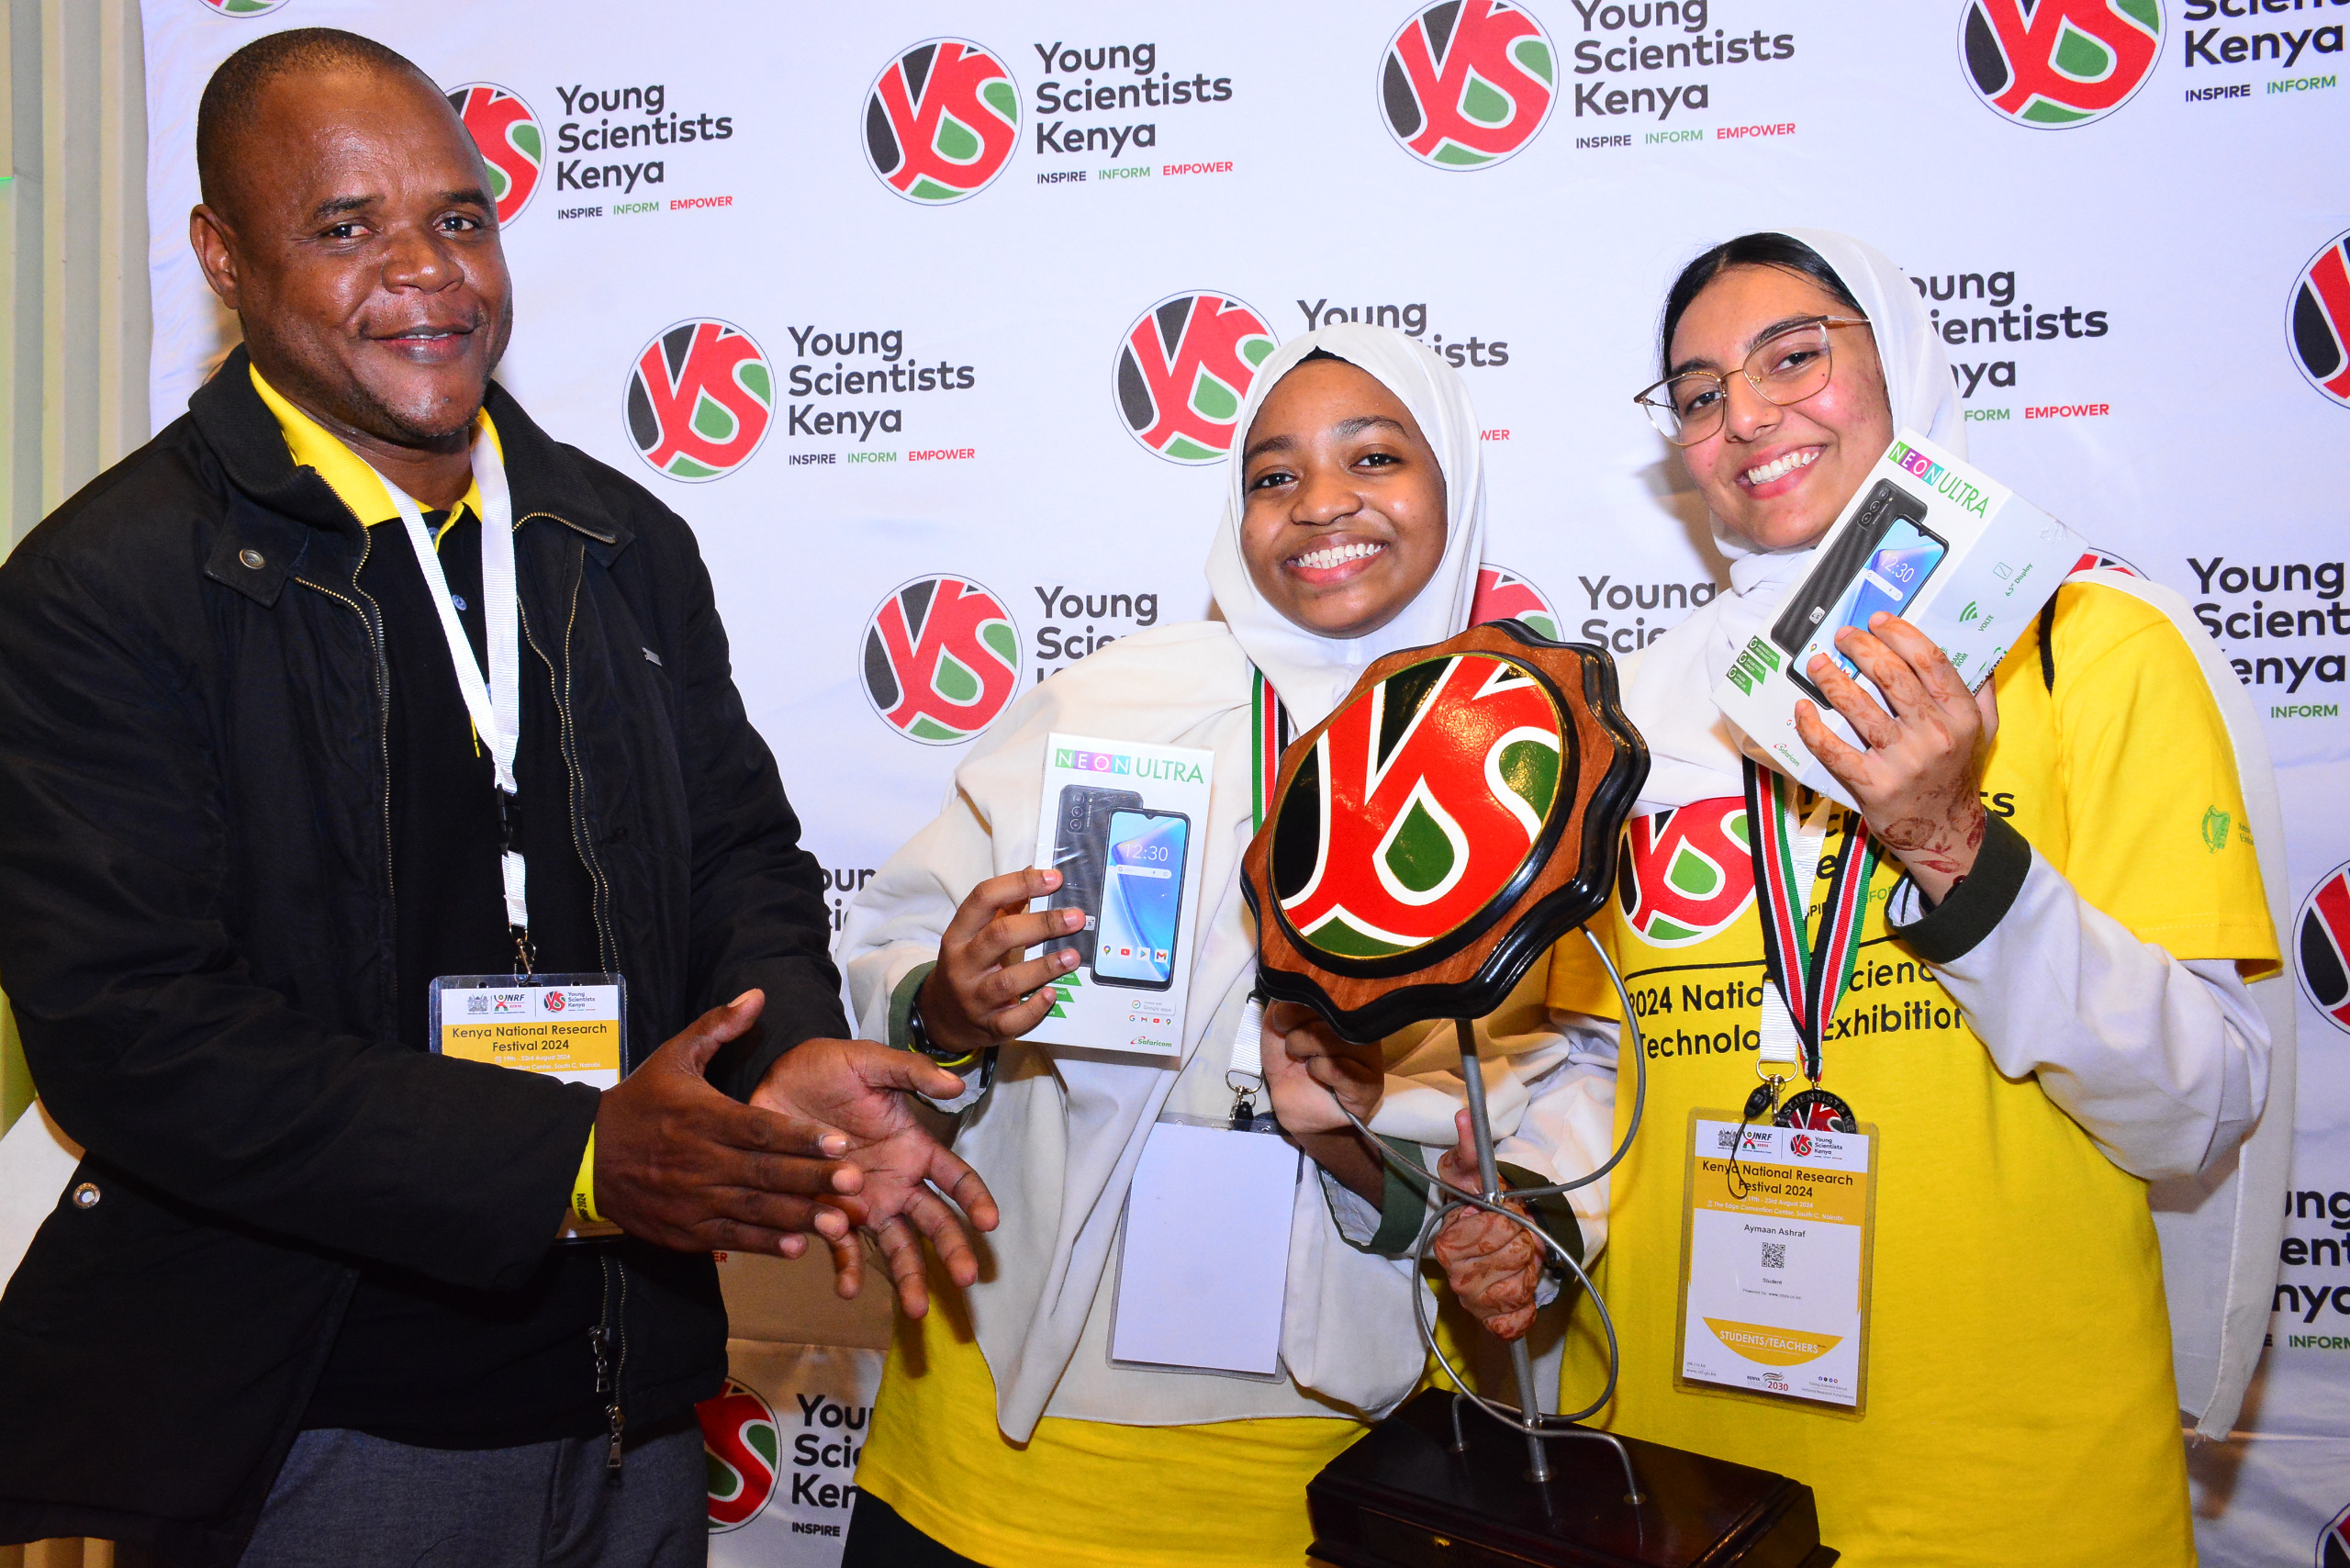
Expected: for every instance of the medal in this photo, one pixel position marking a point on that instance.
(1816, 1110)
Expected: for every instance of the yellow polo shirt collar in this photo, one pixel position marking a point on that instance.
(345, 472)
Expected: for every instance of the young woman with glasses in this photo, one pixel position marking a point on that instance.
(2048, 1027)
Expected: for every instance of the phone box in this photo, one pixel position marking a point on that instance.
(1930, 538)
(1122, 823)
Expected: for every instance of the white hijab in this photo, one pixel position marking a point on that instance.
(1312, 672)
(1693, 751)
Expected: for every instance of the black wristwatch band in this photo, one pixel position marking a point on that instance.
(919, 1038)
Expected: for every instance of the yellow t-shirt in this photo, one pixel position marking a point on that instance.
(2021, 1402)
(1081, 1494)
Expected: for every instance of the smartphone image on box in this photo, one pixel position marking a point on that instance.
(1887, 503)
(1906, 554)
(1079, 840)
(1142, 897)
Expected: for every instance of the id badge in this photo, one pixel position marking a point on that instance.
(571, 1027)
(1204, 1268)
(1777, 1247)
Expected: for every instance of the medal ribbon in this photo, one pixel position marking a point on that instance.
(1268, 736)
(1812, 968)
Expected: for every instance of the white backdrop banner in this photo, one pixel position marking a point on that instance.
(932, 319)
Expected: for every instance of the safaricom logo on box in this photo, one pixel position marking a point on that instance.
(1132, 767)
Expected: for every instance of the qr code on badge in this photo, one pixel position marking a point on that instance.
(1774, 1254)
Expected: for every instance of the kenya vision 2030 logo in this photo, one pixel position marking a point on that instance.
(1467, 83)
(742, 1445)
(2058, 62)
(943, 119)
(700, 398)
(941, 659)
(2320, 321)
(508, 134)
(1183, 369)
(2322, 943)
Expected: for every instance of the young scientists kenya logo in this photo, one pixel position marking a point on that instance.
(241, 9)
(942, 657)
(1183, 369)
(1686, 874)
(742, 1445)
(1503, 595)
(2334, 1542)
(506, 132)
(942, 121)
(699, 399)
(2320, 324)
(2058, 62)
(2321, 935)
(1467, 83)
(1416, 806)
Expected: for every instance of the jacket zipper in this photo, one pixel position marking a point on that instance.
(371, 618)
(605, 946)
(608, 1341)
(610, 1336)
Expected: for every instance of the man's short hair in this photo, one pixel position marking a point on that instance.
(237, 86)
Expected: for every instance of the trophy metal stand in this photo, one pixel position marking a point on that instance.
(1423, 1487)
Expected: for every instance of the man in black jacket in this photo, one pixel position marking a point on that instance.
(303, 1301)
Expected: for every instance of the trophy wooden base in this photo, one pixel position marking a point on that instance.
(1402, 1498)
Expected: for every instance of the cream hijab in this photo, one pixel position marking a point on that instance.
(1312, 672)
(1693, 751)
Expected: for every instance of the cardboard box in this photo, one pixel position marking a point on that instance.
(1930, 539)
(1124, 823)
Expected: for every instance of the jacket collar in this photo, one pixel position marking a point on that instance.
(545, 478)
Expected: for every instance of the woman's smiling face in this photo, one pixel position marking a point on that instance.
(1778, 476)
(1344, 521)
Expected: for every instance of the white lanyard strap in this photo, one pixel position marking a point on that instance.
(494, 702)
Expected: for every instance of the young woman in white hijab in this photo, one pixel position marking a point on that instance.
(2049, 1026)
(1003, 1433)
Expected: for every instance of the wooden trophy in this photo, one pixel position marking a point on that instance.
(1428, 843)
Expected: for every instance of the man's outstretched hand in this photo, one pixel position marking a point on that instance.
(858, 1091)
(686, 1167)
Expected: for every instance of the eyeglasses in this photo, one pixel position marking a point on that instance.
(1789, 366)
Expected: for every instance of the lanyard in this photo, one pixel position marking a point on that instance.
(1269, 735)
(1810, 969)
(495, 701)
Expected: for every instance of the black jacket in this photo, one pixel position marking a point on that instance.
(196, 933)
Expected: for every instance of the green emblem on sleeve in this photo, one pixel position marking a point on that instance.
(2215, 829)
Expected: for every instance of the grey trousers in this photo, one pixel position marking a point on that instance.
(347, 1500)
